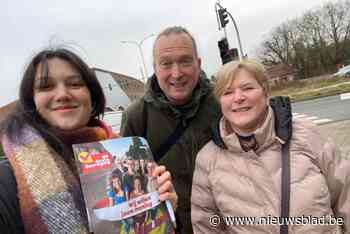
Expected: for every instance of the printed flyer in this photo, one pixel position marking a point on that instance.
(119, 191)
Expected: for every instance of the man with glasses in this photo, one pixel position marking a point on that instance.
(175, 113)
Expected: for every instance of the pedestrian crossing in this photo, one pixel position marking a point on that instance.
(316, 120)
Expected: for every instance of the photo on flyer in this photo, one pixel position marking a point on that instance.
(119, 191)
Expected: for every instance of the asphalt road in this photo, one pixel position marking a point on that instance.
(333, 108)
(321, 111)
(113, 119)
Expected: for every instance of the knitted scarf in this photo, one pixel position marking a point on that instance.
(49, 191)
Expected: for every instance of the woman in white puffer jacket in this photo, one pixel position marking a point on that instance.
(238, 174)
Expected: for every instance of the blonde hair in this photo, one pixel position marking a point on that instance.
(228, 72)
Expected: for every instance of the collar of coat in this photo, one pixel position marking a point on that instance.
(265, 135)
(156, 96)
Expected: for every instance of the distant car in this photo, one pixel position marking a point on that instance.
(344, 71)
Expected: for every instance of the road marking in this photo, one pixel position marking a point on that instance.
(316, 120)
(344, 96)
(321, 121)
(296, 115)
(311, 118)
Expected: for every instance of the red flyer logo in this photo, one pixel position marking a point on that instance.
(95, 161)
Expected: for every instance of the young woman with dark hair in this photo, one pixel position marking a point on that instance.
(59, 104)
(115, 192)
(36, 78)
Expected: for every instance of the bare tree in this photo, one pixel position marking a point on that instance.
(313, 43)
(276, 49)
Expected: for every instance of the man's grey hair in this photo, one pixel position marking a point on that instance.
(174, 30)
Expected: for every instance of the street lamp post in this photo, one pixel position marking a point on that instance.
(139, 46)
(238, 37)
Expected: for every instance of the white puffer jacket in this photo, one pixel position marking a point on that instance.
(233, 183)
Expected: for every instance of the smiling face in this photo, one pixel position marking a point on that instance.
(142, 163)
(116, 183)
(64, 100)
(177, 67)
(244, 102)
(137, 184)
(137, 165)
(150, 168)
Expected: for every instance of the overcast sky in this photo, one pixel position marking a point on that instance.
(96, 27)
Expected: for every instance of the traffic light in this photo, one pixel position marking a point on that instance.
(233, 53)
(226, 53)
(224, 50)
(223, 17)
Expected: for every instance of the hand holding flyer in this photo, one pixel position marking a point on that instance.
(120, 187)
